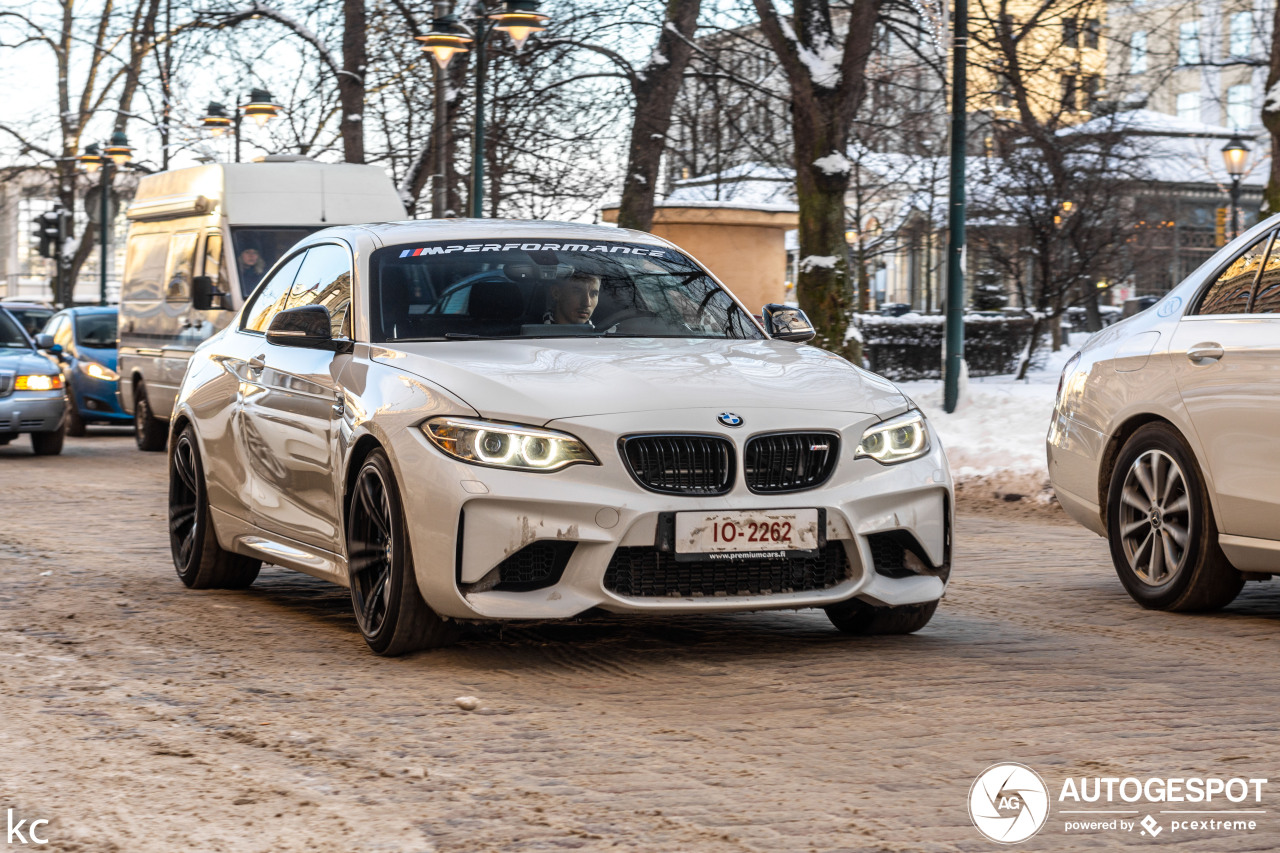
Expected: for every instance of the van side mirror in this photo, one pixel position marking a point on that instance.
(306, 326)
(784, 323)
(206, 297)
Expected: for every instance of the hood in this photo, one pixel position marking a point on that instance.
(536, 381)
(24, 360)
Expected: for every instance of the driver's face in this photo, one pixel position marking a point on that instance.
(575, 300)
(249, 257)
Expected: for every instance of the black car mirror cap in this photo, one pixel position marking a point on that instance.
(206, 297)
(307, 326)
(786, 323)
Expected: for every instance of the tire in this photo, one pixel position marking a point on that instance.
(1156, 496)
(149, 432)
(49, 443)
(858, 617)
(75, 423)
(201, 563)
(384, 590)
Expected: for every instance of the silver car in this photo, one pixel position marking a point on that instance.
(1166, 433)
(32, 397)
(478, 421)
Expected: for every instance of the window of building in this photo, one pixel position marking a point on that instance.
(1091, 87)
(1241, 42)
(1240, 106)
(1070, 32)
(1138, 52)
(1189, 43)
(1091, 29)
(1068, 92)
(1189, 106)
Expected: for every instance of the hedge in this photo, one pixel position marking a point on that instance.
(911, 346)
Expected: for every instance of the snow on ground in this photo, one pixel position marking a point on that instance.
(996, 435)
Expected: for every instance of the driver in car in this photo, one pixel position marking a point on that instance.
(573, 299)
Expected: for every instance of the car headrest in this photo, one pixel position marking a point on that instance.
(495, 300)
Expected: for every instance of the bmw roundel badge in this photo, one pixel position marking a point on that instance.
(729, 419)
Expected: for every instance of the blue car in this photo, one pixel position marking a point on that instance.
(88, 340)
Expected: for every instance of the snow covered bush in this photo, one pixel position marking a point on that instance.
(910, 347)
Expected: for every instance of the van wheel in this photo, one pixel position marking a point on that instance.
(200, 561)
(148, 430)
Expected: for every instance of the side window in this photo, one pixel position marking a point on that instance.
(1230, 293)
(177, 275)
(62, 333)
(325, 279)
(144, 266)
(213, 261)
(271, 296)
(1267, 298)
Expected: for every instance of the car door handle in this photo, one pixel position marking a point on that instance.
(256, 363)
(1205, 352)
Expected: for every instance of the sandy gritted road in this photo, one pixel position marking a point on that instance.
(137, 715)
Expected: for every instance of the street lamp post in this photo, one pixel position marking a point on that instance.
(259, 107)
(1235, 153)
(451, 35)
(953, 357)
(108, 158)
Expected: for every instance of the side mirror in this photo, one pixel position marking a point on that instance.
(45, 342)
(306, 326)
(206, 297)
(784, 323)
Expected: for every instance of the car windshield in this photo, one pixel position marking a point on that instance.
(472, 289)
(11, 334)
(96, 330)
(257, 250)
(32, 319)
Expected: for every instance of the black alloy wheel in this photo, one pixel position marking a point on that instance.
(1161, 528)
(201, 563)
(389, 609)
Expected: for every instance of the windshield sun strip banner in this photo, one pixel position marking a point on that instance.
(584, 248)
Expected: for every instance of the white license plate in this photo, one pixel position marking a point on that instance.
(748, 534)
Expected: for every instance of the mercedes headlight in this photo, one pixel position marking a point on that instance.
(896, 440)
(98, 371)
(506, 445)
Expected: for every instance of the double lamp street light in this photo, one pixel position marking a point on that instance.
(107, 158)
(451, 35)
(259, 107)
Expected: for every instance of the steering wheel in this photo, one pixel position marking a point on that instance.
(625, 314)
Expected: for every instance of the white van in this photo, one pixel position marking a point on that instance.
(200, 240)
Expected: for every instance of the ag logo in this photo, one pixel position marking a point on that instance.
(1008, 803)
(729, 419)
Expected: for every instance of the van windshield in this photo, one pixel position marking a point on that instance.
(474, 289)
(257, 250)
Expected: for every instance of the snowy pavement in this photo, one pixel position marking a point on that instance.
(996, 435)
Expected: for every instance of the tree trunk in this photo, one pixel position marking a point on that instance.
(655, 88)
(351, 80)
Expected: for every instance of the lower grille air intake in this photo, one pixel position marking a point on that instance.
(650, 573)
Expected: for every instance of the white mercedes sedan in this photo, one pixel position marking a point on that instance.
(469, 421)
(1165, 436)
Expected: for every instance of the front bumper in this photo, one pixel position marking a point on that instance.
(32, 411)
(1075, 454)
(98, 400)
(465, 520)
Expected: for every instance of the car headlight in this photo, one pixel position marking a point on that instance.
(898, 439)
(38, 382)
(99, 371)
(506, 445)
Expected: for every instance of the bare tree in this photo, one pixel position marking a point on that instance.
(827, 81)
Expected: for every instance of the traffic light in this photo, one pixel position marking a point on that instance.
(46, 234)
